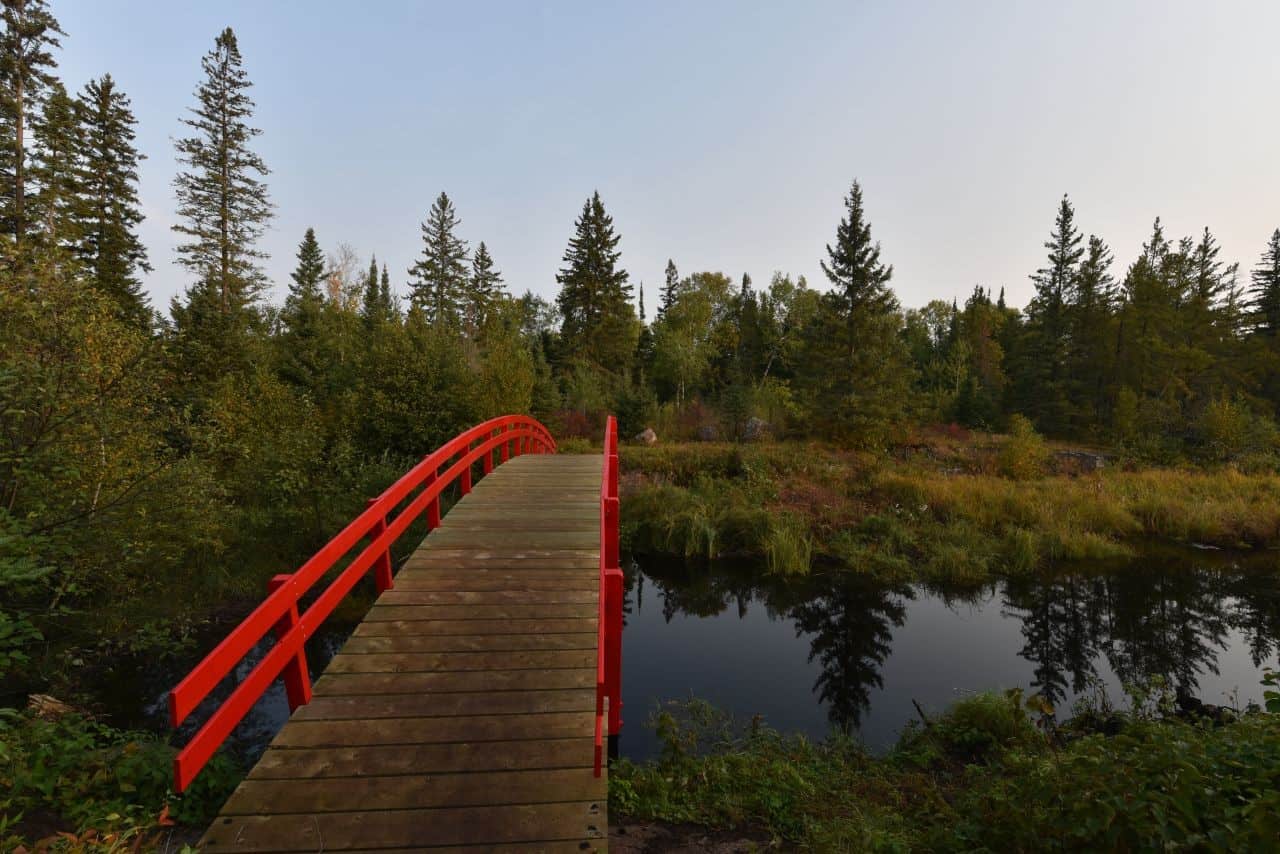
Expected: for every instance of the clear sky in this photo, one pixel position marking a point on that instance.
(722, 134)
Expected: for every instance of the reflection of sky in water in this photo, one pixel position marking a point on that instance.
(688, 636)
(750, 645)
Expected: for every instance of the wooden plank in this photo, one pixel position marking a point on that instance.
(414, 791)
(481, 579)
(570, 611)
(491, 540)
(583, 560)
(473, 627)
(402, 596)
(480, 728)
(507, 643)
(446, 705)
(444, 662)
(453, 681)
(407, 828)
(315, 763)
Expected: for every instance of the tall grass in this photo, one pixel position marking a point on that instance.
(791, 504)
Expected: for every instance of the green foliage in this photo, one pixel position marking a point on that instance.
(1024, 455)
(440, 279)
(980, 776)
(89, 775)
(599, 325)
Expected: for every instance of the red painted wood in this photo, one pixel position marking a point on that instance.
(609, 623)
(279, 612)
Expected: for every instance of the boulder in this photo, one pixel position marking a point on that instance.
(708, 433)
(647, 437)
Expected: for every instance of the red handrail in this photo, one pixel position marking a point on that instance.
(609, 618)
(509, 435)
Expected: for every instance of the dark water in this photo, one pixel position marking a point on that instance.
(836, 650)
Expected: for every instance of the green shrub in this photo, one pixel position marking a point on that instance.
(90, 775)
(1024, 455)
(576, 445)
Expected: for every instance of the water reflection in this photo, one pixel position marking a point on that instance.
(855, 654)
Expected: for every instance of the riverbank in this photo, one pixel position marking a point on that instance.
(943, 510)
(989, 774)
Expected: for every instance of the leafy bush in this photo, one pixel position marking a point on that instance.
(979, 777)
(90, 775)
(1024, 455)
(576, 445)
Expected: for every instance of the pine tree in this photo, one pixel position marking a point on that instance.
(670, 290)
(301, 360)
(57, 171)
(440, 275)
(371, 309)
(1041, 372)
(306, 295)
(594, 298)
(484, 288)
(26, 71)
(389, 307)
(221, 198)
(110, 212)
(858, 373)
(1090, 337)
(1266, 290)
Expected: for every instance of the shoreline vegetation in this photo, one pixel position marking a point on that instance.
(934, 509)
(990, 773)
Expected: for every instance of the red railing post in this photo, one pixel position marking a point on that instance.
(465, 480)
(613, 582)
(382, 566)
(297, 679)
(506, 446)
(433, 508)
(488, 458)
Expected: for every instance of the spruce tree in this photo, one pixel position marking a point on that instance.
(110, 212)
(439, 278)
(1265, 292)
(1090, 319)
(26, 72)
(858, 374)
(301, 360)
(670, 289)
(371, 310)
(306, 294)
(56, 171)
(594, 298)
(484, 288)
(222, 201)
(388, 301)
(1041, 380)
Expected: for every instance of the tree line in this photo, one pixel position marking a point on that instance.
(209, 446)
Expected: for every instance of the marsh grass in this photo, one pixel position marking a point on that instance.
(926, 518)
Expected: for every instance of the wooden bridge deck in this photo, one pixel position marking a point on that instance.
(460, 715)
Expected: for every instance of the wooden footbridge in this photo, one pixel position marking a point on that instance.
(469, 710)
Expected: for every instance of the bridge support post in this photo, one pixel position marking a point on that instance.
(506, 446)
(297, 680)
(488, 458)
(382, 566)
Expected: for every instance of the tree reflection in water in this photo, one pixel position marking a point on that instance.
(1170, 616)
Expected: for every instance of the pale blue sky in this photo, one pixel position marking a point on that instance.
(723, 134)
